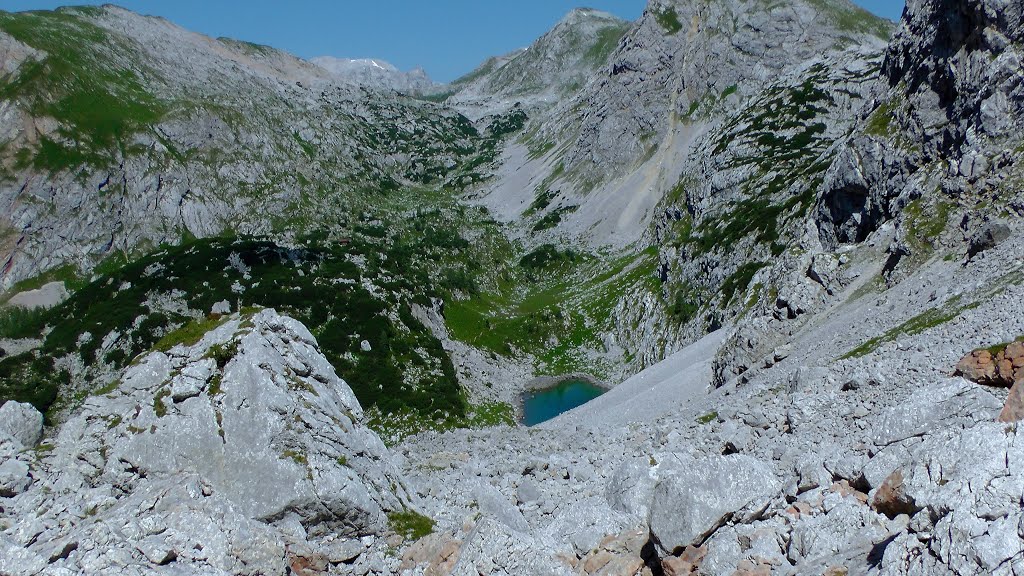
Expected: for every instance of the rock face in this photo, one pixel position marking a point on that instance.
(950, 93)
(553, 69)
(695, 497)
(243, 454)
(683, 51)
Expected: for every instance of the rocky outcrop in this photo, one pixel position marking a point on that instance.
(1003, 366)
(683, 53)
(998, 366)
(949, 98)
(959, 64)
(242, 454)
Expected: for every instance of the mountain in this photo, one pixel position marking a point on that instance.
(295, 319)
(125, 132)
(608, 154)
(558, 65)
(377, 74)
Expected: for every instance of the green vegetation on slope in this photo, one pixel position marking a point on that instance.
(348, 281)
(850, 18)
(928, 319)
(779, 139)
(668, 18)
(98, 104)
(410, 524)
(554, 307)
(118, 316)
(605, 43)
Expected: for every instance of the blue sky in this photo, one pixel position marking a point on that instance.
(446, 37)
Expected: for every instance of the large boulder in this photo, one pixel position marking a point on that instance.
(243, 453)
(969, 482)
(696, 496)
(14, 477)
(22, 422)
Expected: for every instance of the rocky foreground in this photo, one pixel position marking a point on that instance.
(244, 454)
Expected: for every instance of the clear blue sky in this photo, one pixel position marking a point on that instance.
(446, 37)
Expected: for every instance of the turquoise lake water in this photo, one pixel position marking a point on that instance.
(543, 405)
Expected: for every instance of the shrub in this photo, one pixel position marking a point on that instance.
(669, 20)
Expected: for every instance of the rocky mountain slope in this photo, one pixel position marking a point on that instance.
(124, 132)
(786, 233)
(601, 160)
(551, 70)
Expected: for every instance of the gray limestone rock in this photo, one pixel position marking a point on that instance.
(22, 422)
(694, 497)
(205, 478)
(987, 237)
(631, 487)
(14, 478)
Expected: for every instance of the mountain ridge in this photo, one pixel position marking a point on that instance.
(379, 74)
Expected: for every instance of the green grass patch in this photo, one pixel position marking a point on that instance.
(410, 524)
(553, 218)
(307, 148)
(708, 418)
(159, 407)
(223, 353)
(739, 280)
(668, 18)
(604, 44)
(108, 389)
(396, 426)
(880, 121)
(926, 223)
(556, 317)
(547, 256)
(189, 334)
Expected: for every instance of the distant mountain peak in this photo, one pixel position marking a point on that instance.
(376, 73)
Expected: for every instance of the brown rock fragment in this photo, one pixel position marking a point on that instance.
(686, 563)
(978, 366)
(617, 555)
(892, 499)
(1013, 409)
